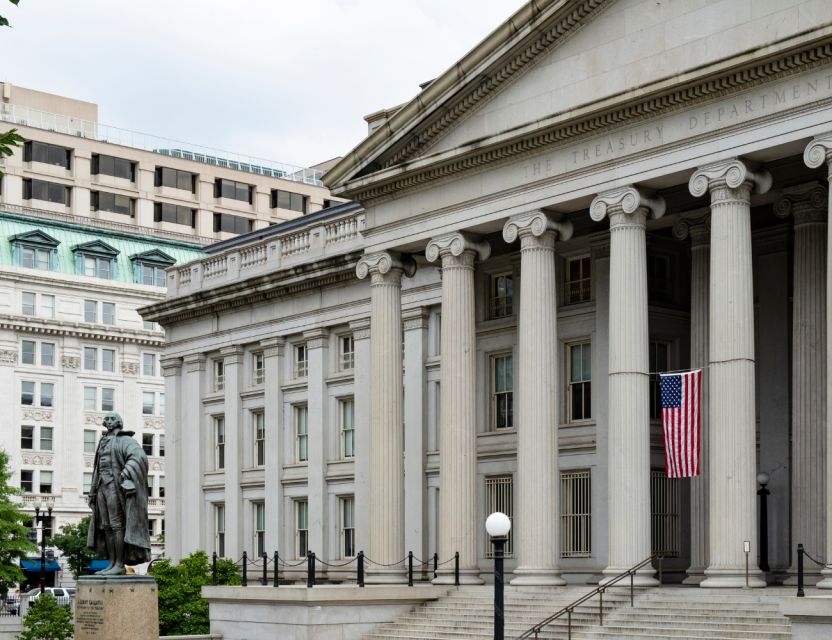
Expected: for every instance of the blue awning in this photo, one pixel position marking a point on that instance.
(34, 565)
(98, 565)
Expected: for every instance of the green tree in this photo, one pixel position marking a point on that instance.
(72, 541)
(10, 139)
(182, 609)
(14, 543)
(47, 620)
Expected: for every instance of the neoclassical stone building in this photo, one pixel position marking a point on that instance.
(599, 191)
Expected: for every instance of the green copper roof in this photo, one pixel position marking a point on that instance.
(71, 235)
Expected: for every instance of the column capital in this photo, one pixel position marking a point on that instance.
(383, 263)
(316, 338)
(818, 151)
(360, 329)
(171, 366)
(194, 362)
(629, 199)
(272, 346)
(535, 223)
(732, 173)
(415, 318)
(806, 202)
(455, 244)
(696, 226)
(232, 354)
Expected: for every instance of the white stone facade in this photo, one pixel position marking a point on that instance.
(649, 241)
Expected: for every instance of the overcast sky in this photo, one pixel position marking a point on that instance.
(285, 81)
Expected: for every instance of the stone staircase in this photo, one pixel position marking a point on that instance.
(671, 613)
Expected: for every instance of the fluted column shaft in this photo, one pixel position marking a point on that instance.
(629, 386)
(699, 327)
(732, 480)
(816, 153)
(386, 441)
(458, 522)
(537, 545)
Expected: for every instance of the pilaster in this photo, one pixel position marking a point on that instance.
(459, 522)
(317, 341)
(233, 359)
(732, 480)
(538, 470)
(172, 371)
(629, 415)
(192, 425)
(362, 394)
(273, 349)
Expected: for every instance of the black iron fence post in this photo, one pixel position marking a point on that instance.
(456, 568)
(632, 595)
(265, 558)
(245, 569)
(360, 568)
(214, 568)
(800, 552)
(409, 568)
(276, 565)
(601, 607)
(435, 564)
(310, 570)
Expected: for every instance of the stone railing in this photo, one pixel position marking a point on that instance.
(320, 239)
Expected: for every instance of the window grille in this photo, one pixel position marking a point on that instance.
(575, 514)
(499, 497)
(665, 499)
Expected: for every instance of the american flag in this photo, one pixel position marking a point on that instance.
(681, 399)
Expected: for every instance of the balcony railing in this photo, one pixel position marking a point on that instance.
(27, 116)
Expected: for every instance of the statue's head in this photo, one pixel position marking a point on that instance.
(112, 421)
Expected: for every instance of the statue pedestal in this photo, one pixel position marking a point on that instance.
(118, 607)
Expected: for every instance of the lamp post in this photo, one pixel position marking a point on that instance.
(42, 520)
(763, 492)
(498, 525)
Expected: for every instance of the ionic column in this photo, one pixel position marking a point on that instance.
(233, 362)
(818, 152)
(629, 385)
(699, 232)
(273, 422)
(458, 521)
(386, 441)
(537, 546)
(732, 412)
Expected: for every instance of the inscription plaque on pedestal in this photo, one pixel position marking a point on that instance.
(116, 607)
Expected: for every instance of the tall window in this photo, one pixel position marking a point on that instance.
(259, 423)
(301, 433)
(90, 311)
(502, 295)
(575, 514)
(28, 349)
(301, 360)
(90, 398)
(27, 480)
(259, 528)
(108, 360)
(498, 497)
(27, 392)
(347, 352)
(580, 381)
(301, 528)
(659, 362)
(108, 313)
(46, 439)
(258, 368)
(665, 501)
(162, 446)
(149, 364)
(30, 306)
(147, 444)
(578, 279)
(108, 399)
(47, 354)
(89, 439)
(27, 437)
(347, 527)
(219, 375)
(502, 391)
(87, 483)
(47, 392)
(219, 528)
(219, 443)
(45, 478)
(347, 413)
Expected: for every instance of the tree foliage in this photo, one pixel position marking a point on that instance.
(11, 139)
(72, 541)
(47, 620)
(14, 543)
(182, 609)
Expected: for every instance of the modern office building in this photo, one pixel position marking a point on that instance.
(597, 192)
(90, 218)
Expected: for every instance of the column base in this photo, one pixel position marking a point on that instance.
(386, 576)
(695, 575)
(643, 578)
(537, 578)
(810, 579)
(466, 576)
(826, 582)
(733, 579)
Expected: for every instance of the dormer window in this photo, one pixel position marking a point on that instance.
(35, 250)
(96, 259)
(149, 267)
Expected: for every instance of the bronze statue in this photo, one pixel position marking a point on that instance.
(118, 499)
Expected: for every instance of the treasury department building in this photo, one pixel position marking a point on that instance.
(599, 191)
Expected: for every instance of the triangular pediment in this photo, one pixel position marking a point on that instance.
(560, 69)
(154, 256)
(36, 237)
(98, 247)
